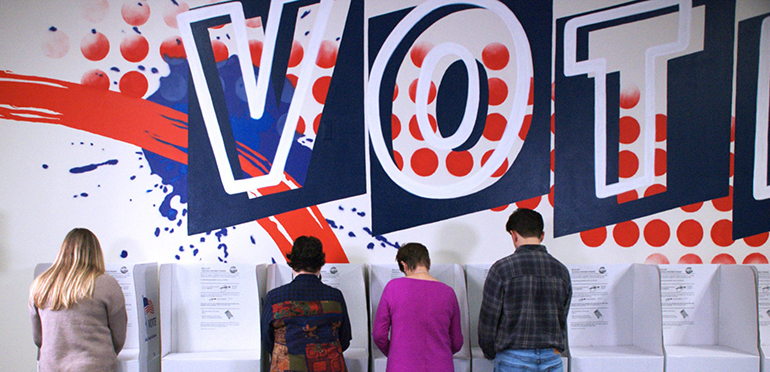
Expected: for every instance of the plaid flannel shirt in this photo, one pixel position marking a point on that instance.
(526, 301)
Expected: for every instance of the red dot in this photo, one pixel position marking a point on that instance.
(297, 52)
(657, 233)
(292, 79)
(395, 126)
(628, 163)
(660, 127)
(551, 196)
(654, 190)
(629, 130)
(327, 55)
(316, 123)
(97, 79)
(414, 128)
(495, 56)
(301, 126)
(133, 84)
(626, 233)
(395, 93)
(398, 159)
(627, 196)
(629, 96)
(172, 47)
(656, 259)
(498, 91)
(95, 46)
(459, 163)
(690, 259)
(499, 209)
(495, 127)
(419, 51)
(755, 259)
(692, 207)
(413, 91)
(220, 50)
(255, 47)
(530, 203)
(500, 171)
(724, 204)
(254, 22)
(525, 127)
(56, 43)
(320, 88)
(756, 240)
(553, 160)
(135, 13)
(724, 259)
(134, 48)
(531, 99)
(689, 233)
(661, 158)
(595, 237)
(722, 233)
(424, 162)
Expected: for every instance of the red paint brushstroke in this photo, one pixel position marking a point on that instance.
(151, 126)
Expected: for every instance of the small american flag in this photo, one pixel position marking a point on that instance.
(148, 308)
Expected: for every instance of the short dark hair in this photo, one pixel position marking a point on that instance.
(307, 254)
(525, 222)
(412, 254)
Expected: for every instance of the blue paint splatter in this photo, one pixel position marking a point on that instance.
(115, 69)
(52, 28)
(370, 246)
(140, 67)
(157, 232)
(195, 252)
(177, 257)
(45, 166)
(84, 194)
(181, 248)
(154, 70)
(136, 29)
(351, 234)
(361, 214)
(252, 240)
(219, 234)
(91, 167)
(123, 254)
(384, 241)
(331, 223)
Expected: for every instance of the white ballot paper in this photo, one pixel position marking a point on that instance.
(763, 297)
(590, 297)
(125, 277)
(689, 303)
(330, 275)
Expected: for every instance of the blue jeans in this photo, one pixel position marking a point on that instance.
(545, 360)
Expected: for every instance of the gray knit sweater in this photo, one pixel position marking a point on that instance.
(86, 337)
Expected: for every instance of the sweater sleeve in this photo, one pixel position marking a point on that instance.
(267, 324)
(37, 326)
(382, 322)
(455, 327)
(489, 316)
(117, 318)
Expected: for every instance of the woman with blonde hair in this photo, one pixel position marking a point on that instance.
(78, 311)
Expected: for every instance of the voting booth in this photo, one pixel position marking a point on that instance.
(449, 274)
(139, 282)
(763, 301)
(210, 317)
(350, 280)
(709, 318)
(615, 322)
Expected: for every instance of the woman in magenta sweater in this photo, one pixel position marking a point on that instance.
(422, 316)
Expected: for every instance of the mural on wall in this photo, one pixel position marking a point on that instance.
(264, 110)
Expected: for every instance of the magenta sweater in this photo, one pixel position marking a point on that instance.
(423, 318)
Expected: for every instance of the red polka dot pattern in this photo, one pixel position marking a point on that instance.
(656, 259)
(424, 162)
(724, 259)
(626, 234)
(690, 259)
(690, 233)
(595, 237)
(721, 233)
(495, 56)
(657, 233)
(459, 163)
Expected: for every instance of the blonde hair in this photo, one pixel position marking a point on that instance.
(71, 278)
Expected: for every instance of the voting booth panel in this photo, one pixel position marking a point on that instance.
(139, 282)
(449, 274)
(709, 318)
(210, 317)
(615, 322)
(763, 305)
(350, 280)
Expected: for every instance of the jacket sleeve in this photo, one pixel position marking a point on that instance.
(455, 327)
(266, 325)
(381, 325)
(346, 334)
(117, 318)
(489, 316)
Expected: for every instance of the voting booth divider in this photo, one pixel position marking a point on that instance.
(139, 282)
(350, 280)
(709, 318)
(615, 321)
(210, 315)
(452, 275)
(763, 302)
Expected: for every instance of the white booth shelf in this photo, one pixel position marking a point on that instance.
(139, 282)
(350, 280)
(210, 317)
(615, 321)
(709, 318)
(452, 275)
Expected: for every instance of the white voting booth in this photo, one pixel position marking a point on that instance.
(709, 318)
(349, 279)
(763, 301)
(139, 282)
(614, 322)
(210, 317)
(449, 274)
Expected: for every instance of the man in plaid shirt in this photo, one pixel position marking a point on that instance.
(523, 319)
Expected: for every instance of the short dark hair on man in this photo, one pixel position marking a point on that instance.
(525, 222)
(412, 254)
(307, 254)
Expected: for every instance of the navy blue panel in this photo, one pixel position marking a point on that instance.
(698, 138)
(750, 216)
